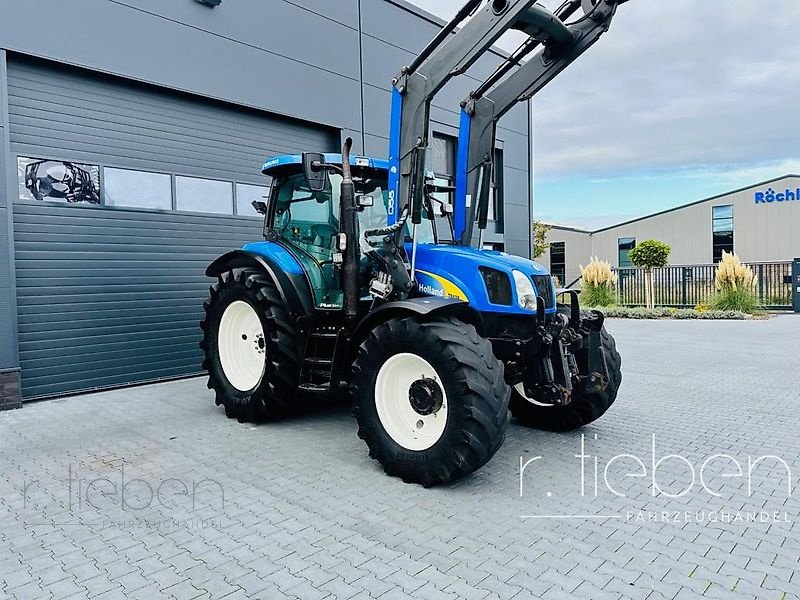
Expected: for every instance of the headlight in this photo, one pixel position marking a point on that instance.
(526, 295)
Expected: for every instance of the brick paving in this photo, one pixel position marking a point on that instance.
(149, 492)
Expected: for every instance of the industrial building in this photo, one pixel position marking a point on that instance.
(759, 223)
(132, 133)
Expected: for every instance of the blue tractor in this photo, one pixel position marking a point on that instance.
(372, 279)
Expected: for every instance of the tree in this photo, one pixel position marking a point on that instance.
(649, 255)
(540, 243)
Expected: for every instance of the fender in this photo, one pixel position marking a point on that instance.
(293, 288)
(421, 307)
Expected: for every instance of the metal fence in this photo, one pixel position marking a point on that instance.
(688, 286)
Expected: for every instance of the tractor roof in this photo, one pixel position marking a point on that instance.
(274, 166)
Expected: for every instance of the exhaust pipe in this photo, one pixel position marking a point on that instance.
(348, 243)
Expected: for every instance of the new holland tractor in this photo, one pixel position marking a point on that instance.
(371, 278)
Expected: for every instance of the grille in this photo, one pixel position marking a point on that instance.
(498, 286)
(544, 288)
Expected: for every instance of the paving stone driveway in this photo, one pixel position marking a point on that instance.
(150, 492)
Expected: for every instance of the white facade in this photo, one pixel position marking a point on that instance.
(766, 228)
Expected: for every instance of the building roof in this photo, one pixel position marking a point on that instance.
(682, 206)
(566, 228)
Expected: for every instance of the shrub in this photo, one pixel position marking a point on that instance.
(640, 312)
(735, 286)
(599, 281)
(649, 255)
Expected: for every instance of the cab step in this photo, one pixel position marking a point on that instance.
(323, 335)
(315, 388)
(316, 362)
(317, 370)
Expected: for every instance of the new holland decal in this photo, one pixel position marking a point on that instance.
(434, 285)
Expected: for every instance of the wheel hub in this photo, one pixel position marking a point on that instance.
(411, 401)
(241, 345)
(425, 396)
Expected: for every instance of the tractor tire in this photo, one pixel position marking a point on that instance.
(430, 399)
(584, 407)
(249, 345)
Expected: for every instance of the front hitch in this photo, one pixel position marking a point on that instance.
(566, 357)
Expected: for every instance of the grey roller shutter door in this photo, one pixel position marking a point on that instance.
(110, 296)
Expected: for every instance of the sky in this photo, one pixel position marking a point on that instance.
(679, 101)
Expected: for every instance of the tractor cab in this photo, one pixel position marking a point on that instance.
(307, 225)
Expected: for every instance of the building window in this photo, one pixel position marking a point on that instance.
(137, 189)
(443, 156)
(558, 262)
(203, 195)
(496, 204)
(722, 230)
(58, 180)
(624, 246)
(442, 162)
(246, 194)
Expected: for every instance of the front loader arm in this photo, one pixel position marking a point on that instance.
(559, 45)
(450, 53)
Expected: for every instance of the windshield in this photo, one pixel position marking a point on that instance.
(309, 220)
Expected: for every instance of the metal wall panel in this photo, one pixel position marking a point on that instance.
(61, 112)
(288, 57)
(109, 296)
(8, 339)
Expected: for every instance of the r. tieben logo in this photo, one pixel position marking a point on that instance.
(771, 196)
(720, 476)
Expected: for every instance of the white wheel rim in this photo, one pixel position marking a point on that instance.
(520, 388)
(407, 427)
(242, 347)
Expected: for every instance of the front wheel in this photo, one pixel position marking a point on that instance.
(584, 407)
(430, 399)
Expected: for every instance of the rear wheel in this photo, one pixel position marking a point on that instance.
(249, 345)
(584, 407)
(430, 399)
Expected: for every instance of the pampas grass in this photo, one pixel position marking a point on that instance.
(599, 283)
(735, 284)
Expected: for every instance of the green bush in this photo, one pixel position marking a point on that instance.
(735, 299)
(640, 312)
(735, 286)
(599, 281)
(601, 294)
(650, 254)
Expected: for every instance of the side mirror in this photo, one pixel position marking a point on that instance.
(316, 176)
(365, 201)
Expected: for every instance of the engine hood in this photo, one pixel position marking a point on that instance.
(453, 271)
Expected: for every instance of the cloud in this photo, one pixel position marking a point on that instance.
(676, 85)
(727, 175)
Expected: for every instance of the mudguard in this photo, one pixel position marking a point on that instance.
(417, 307)
(292, 285)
